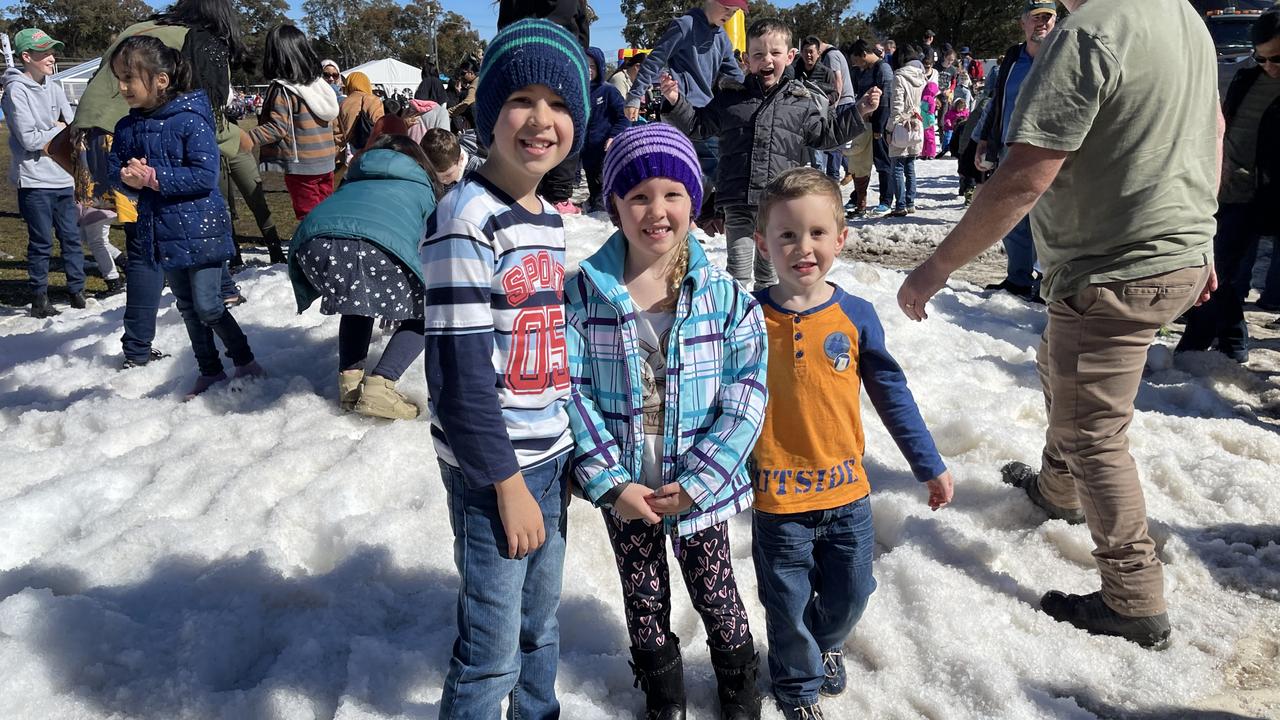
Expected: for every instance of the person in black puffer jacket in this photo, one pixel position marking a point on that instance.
(765, 126)
(1247, 198)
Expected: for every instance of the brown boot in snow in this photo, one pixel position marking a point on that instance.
(378, 398)
(349, 388)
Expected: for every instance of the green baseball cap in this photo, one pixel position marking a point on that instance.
(1035, 7)
(34, 39)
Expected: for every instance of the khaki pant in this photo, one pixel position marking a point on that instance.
(859, 155)
(1090, 361)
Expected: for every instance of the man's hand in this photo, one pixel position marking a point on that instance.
(869, 102)
(941, 490)
(980, 160)
(1210, 286)
(521, 517)
(920, 286)
(669, 88)
(876, 136)
(632, 113)
(608, 143)
(670, 499)
(631, 504)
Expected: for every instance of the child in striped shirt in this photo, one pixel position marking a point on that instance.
(498, 373)
(295, 129)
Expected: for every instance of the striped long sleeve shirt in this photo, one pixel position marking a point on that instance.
(497, 364)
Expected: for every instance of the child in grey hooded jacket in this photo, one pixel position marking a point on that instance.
(36, 110)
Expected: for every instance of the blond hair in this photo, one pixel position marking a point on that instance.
(797, 183)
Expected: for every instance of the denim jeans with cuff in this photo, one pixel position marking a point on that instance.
(508, 642)
(814, 574)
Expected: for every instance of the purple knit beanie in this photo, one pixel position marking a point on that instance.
(652, 150)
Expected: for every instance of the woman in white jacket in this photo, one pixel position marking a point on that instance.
(906, 139)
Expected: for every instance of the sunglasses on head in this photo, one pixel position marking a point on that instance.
(1273, 59)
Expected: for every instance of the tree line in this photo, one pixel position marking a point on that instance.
(349, 31)
(987, 26)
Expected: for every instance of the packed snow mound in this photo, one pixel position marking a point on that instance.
(256, 553)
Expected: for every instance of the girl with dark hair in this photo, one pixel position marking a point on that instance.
(207, 35)
(165, 152)
(358, 253)
(295, 131)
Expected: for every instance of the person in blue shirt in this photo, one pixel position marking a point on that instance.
(1038, 18)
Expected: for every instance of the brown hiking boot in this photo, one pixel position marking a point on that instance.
(379, 398)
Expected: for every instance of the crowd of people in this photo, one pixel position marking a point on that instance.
(669, 393)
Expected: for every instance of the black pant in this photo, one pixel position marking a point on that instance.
(1221, 319)
(704, 559)
(557, 185)
(593, 166)
(354, 334)
(884, 167)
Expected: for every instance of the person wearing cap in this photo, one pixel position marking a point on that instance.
(624, 77)
(1122, 193)
(1038, 19)
(36, 110)
(971, 66)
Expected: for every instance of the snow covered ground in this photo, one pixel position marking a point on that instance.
(257, 554)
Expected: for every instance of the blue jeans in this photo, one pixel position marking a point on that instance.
(197, 291)
(884, 168)
(142, 295)
(814, 575)
(46, 211)
(829, 162)
(1020, 246)
(904, 183)
(508, 638)
(709, 159)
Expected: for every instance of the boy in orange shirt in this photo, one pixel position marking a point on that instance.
(813, 538)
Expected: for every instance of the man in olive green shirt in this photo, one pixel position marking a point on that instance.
(1124, 190)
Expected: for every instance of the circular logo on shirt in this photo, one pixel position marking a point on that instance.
(837, 347)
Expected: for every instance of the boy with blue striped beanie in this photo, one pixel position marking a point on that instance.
(498, 374)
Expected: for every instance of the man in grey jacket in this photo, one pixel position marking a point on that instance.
(36, 109)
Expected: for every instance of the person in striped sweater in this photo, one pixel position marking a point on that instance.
(295, 131)
(498, 374)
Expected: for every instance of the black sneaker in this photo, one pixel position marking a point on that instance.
(1021, 475)
(833, 668)
(129, 363)
(1090, 613)
(114, 285)
(77, 300)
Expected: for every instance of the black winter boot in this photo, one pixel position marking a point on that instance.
(660, 673)
(272, 240)
(41, 307)
(736, 672)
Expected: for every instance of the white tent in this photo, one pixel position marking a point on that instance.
(74, 80)
(390, 73)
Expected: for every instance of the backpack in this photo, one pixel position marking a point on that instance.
(360, 132)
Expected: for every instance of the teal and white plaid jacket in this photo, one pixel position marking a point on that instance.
(715, 396)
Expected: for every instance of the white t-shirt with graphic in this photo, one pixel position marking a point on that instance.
(653, 330)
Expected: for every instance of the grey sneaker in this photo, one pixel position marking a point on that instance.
(806, 712)
(1023, 476)
(1090, 613)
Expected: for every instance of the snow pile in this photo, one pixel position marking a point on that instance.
(257, 554)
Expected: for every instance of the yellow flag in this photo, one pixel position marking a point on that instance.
(736, 28)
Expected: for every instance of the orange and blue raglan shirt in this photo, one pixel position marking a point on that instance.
(809, 456)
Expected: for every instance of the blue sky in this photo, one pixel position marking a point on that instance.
(606, 33)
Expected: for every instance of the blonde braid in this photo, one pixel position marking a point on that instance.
(675, 276)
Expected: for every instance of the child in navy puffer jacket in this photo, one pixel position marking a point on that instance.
(165, 152)
(606, 120)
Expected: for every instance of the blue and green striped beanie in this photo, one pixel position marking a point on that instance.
(532, 52)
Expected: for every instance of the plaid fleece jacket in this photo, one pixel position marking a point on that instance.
(715, 392)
